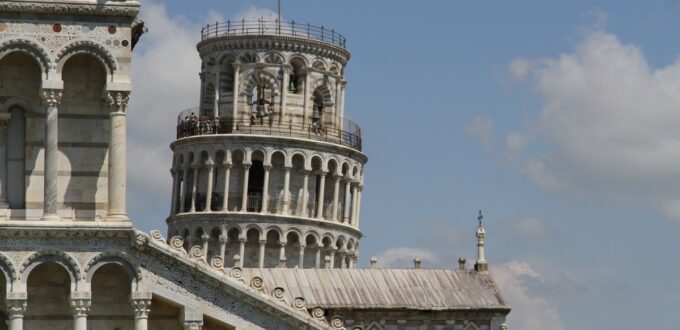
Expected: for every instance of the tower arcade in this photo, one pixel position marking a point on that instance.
(267, 170)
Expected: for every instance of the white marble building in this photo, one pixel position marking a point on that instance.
(267, 173)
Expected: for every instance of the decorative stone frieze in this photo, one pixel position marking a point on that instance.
(127, 9)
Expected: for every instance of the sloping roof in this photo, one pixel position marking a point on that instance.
(385, 288)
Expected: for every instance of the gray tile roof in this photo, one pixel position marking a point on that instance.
(385, 288)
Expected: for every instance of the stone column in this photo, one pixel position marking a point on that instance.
(218, 91)
(341, 257)
(358, 212)
(301, 263)
(80, 303)
(265, 189)
(204, 238)
(317, 262)
(175, 183)
(332, 259)
(260, 260)
(322, 190)
(282, 253)
(3, 161)
(15, 311)
(336, 196)
(208, 198)
(141, 302)
(242, 249)
(51, 98)
(284, 94)
(194, 188)
(117, 147)
(305, 183)
(353, 213)
(286, 188)
(223, 248)
(345, 217)
(342, 101)
(307, 96)
(237, 69)
(183, 190)
(225, 200)
(244, 198)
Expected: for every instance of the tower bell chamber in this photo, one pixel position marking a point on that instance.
(267, 171)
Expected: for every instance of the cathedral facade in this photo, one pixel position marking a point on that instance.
(267, 176)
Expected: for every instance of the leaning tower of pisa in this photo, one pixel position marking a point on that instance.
(267, 169)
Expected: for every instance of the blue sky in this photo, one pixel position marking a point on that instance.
(556, 119)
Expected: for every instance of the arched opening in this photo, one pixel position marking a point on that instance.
(188, 182)
(213, 324)
(214, 244)
(315, 186)
(296, 78)
(276, 182)
(219, 185)
(48, 307)
(332, 191)
(345, 193)
(297, 188)
(261, 103)
(3, 302)
(83, 118)
(232, 248)
(20, 78)
(226, 95)
(272, 249)
(311, 248)
(236, 181)
(198, 238)
(340, 253)
(16, 161)
(326, 251)
(256, 182)
(319, 65)
(293, 247)
(111, 308)
(252, 248)
(202, 184)
(186, 240)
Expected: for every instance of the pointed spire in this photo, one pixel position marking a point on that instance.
(480, 264)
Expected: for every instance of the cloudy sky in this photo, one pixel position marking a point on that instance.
(559, 121)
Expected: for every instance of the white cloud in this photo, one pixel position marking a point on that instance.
(529, 311)
(481, 127)
(165, 78)
(402, 257)
(528, 228)
(608, 121)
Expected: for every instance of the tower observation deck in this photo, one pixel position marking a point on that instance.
(267, 170)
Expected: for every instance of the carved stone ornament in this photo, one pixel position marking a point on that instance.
(51, 97)
(318, 313)
(216, 262)
(157, 236)
(81, 307)
(279, 293)
(16, 307)
(140, 241)
(142, 307)
(177, 243)
(504, 327)
(337, 323)
(257, 283)
(196, 252)
(193, 325)
(118, 100)
(72, 9)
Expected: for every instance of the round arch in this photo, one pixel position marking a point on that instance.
(58, 257)
(30, 47)
(87, 47)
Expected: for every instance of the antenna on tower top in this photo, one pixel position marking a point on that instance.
(480, 218)
(278, 6)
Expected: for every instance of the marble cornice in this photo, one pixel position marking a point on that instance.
(277, 42)
(66, 8)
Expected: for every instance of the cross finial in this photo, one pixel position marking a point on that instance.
(480, 218)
